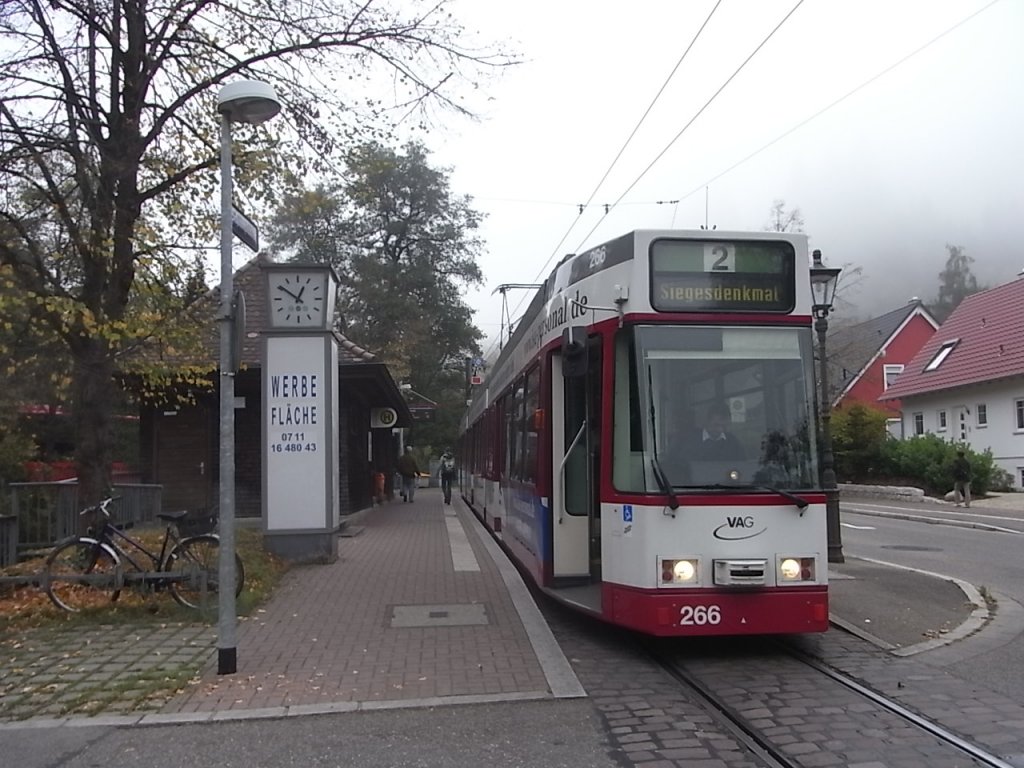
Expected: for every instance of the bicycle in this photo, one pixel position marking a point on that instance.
(81, 571)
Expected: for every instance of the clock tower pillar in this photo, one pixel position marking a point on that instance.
(301, 501)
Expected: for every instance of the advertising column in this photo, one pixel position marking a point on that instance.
(301, 510)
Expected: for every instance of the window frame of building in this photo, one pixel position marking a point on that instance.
(941, 354)
(981, 415)
(918, 419)
(889, 374)
(1018, 410)
(942, 422)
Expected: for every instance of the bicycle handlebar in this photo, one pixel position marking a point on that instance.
(101, 507)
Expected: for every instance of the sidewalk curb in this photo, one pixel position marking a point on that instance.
(932, 520)
(979, 616)
(267, 713)
(559, 673)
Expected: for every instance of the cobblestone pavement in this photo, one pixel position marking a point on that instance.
(652, 721)
(649, 718)
(111, 669)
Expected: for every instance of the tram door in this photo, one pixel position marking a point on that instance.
(574, 424)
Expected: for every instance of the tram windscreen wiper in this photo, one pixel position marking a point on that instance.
(666, 486)
(800, 503)
(659, 473)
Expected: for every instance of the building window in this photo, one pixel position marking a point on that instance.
(942, 421)
(918, 423)
(981, 414)
(942, 354)
(1018, 410)
(891, 372)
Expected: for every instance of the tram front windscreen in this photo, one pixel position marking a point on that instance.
(707, 406)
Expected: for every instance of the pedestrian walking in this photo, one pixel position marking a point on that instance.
(961, 471)
(410, 471)
(379, 482)
(447, 475)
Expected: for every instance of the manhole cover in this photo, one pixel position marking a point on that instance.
(456, 615)
(911, 548)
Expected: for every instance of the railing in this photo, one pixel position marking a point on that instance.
(45, 513)
(8, 540)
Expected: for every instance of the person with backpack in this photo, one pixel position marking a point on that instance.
(447, 474)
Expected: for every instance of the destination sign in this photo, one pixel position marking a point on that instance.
(722, 276)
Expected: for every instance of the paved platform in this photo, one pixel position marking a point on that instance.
(421, 608)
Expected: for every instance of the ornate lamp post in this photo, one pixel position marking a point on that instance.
(823, 292)
(253, 102)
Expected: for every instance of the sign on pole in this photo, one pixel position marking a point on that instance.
(244, 229)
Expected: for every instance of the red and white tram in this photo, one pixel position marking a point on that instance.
(589, 448)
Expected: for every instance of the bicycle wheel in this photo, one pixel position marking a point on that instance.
(189, 561)
(81, 574)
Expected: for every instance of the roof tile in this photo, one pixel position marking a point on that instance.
(989, 329)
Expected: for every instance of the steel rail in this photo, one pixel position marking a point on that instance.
(899, 710)
(762, 748)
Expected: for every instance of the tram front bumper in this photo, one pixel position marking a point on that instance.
(773, 610)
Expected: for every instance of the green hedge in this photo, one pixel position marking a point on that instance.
(865, 453)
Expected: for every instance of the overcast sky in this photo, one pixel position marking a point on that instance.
(930, 153)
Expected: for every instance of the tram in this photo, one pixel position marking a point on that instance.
(645, 445)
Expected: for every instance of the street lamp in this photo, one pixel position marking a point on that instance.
(253, 102)
(823, 292)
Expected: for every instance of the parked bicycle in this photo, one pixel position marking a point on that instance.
(87, 571)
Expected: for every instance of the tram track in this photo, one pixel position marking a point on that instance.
(758, 699)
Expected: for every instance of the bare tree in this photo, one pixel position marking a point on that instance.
(108, 141)
(779, 220)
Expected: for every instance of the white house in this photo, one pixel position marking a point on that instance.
(966, 384)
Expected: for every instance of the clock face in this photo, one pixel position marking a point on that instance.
(297, 299)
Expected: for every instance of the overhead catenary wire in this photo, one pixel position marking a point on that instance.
(618, 155)
(699, 112)
(838, 101)
(817, 114)
(640, 122)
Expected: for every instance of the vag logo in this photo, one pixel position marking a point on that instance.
(738, 528)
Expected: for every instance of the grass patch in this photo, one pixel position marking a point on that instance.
(26, 605)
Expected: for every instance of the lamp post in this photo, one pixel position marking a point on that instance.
(253, 102)
(823, 292)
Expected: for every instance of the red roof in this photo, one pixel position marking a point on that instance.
(987, 334)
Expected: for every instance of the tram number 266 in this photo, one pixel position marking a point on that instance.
(699, 615)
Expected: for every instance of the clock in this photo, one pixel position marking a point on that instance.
(300, 297)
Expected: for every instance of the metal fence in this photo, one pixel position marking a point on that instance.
(8, 540)
(45, 513)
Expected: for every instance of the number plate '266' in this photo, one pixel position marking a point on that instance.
(699, 615)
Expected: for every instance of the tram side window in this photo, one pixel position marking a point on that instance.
(628, 470)
(475, 456)
(530, 435)
(512, 434)
(486, 460)
(494, 440)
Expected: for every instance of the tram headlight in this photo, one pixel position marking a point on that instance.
(796, 569)
(679, 571)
